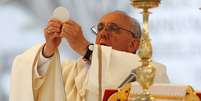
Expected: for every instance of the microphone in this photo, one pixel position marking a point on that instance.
(131, 78)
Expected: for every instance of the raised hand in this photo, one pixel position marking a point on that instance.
(72, 32)
(52, 36)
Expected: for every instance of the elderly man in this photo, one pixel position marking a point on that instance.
(37, 74)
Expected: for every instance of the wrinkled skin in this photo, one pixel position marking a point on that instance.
(72, 32)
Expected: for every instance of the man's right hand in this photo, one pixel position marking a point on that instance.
(52, 36)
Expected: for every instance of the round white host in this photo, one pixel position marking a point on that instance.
(61, 14)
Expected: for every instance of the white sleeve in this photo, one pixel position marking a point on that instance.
(42, 67)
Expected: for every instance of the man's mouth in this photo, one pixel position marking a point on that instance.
(103, 44)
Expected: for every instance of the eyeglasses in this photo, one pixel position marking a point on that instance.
(111, 27)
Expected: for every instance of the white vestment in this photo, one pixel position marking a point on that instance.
(73, 80)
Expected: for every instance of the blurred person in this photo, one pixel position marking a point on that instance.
(38, 75)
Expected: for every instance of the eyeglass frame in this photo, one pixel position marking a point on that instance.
(93, 29)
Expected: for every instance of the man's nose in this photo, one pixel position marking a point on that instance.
(105, 34)
(105, 31)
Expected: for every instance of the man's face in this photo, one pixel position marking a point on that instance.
(111, 32)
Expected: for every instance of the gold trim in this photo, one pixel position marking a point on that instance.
(100, 73)
(161, 97)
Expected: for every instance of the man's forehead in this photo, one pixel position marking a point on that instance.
(119, 18)
(115, 17)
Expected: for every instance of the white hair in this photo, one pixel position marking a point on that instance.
(136, 28)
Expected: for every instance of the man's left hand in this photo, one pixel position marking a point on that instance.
(74, 35)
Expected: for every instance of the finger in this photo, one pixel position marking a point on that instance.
(46, 31)
(54, 35)
(55, 24)
(53, 29)
(51, 33)
(67, 27)
(68, 22)
(55, 20)
(71, 22)
(63, 34)
(68, 31)
(67, 35)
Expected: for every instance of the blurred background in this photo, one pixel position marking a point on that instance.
(175, 30)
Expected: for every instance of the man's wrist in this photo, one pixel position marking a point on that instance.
(45, 53)
(81, 50)
(88, 52)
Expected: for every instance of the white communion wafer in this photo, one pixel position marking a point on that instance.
(61, 14)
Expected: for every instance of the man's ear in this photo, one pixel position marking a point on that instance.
(133, 45)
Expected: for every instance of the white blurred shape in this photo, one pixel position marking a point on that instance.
(61, 14)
